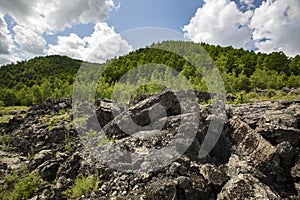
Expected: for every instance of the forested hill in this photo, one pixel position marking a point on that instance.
(30, 82)
(38, 69)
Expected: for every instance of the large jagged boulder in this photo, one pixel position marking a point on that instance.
(255, 157)
(245, 186)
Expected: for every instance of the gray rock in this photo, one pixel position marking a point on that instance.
(48, 171)
(161, 190)
(255, 157)
(40, 158)
(245, 186)
(213, 174)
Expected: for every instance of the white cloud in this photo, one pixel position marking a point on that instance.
(249, 4)
(104, 43)
(29, 41)
(6, 43)
(72, 46)
(276, 26)
(65, 13)
(18, 8)
(273, 26)
(24, 13)
(220, 22)
(37, 18)
(247, 1)
(50, 16)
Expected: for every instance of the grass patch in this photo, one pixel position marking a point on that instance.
(67, 142)
(9, 181)
(104, 140)
(6, 113)
(13, 109)
(83, 185)
(80, 121)
(5, 118)
(270, 95)
(16, 187)
(30, 154)
(62, 111)
(26, 186)
(52, 120)
(5, 141)
(90, 134)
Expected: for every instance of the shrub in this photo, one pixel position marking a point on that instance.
(83, 185)
(25, 187)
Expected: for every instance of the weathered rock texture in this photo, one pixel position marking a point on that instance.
(256, 157)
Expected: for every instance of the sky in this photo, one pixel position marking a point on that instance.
(97, 30)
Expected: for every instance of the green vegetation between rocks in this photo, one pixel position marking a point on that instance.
(266, 95)
(19, 187)
(5, 140)
(6, 113)
(83, 185)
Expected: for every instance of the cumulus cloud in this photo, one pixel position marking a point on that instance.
(247, 1)
(276, 26)
(18, 8)
(71, 45)
(248, 4)
(48, 16)
(273, 26)
(104, 43)
(220, 22)
(6, 41)
(29, 41)
(36, 18)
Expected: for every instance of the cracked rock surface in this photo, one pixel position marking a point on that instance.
(255, 157)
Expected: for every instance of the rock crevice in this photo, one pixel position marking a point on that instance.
(255, 157)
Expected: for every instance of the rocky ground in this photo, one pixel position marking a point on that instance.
(256, 156)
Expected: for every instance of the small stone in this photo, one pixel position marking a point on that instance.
(114, 193)
(213, 174)
(123, 177)
(135, 187)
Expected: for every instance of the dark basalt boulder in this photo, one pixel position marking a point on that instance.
(255, 157)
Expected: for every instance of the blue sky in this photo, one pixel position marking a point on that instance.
(136, 14)
(96, 30)
(171, 14)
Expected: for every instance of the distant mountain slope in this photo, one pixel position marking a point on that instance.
(30, 82)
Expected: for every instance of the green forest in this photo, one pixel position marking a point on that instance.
(243, 72)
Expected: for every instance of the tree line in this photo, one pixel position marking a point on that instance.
(31, 82)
